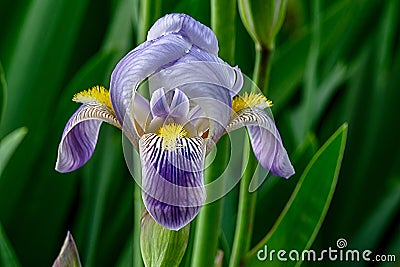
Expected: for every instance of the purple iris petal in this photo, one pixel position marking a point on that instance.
(265, 140)
(205, 84)
(158, 103)
(174, 104)
(216, 103)
(179, 105)
(138, 65)
(141, 110)
(80, 137)
(218, 72)
(188, 27)
(198, 66)
(197, 118)
(172, 180)
(270, 151)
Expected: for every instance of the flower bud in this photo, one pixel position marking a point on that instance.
(160, 246)
(263, 19)
(68, 256)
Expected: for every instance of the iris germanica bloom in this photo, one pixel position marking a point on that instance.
(194, 101)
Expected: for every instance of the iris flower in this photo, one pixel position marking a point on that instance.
(194, 101)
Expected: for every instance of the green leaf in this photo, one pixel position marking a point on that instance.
(3, 91)
(299, 223)
(7, 254)
(150, 11)
(9, 144)
(289, 62)
(370, 232)
(125, 258)
(38, 58)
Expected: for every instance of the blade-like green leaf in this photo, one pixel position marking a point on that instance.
(9, 144)
(290, 59)
(7, 254)
(3, 91)
(370, 232)
(125, 259)
(302, 217)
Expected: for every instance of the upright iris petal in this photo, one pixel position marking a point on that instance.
(188, 27)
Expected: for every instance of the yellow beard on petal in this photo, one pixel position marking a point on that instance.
(250, 100)
(171, 133)
(96, 94)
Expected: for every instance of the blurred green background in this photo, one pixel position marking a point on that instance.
(335, 62)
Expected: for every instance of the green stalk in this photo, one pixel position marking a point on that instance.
(262, 68)
(150, 11)
(137, 215)
(209, 219)
(247, 200)
(223, 13)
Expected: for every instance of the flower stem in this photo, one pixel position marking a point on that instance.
(247, 200)
(223, 13)
(137, 214)
(209, 219)
(262, 68)
(150, 10)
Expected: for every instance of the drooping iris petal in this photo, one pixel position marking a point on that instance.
(172, 179)
(188, 27)
(137, 65)
(80, 136)
(265, 140)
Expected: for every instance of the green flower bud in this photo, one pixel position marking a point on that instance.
(263, 19)
(68, 256)
(162, 247)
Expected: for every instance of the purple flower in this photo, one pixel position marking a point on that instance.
(193, 103)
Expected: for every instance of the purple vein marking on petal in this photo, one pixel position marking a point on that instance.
(78, 141)
(265, 139)
(173, 189)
